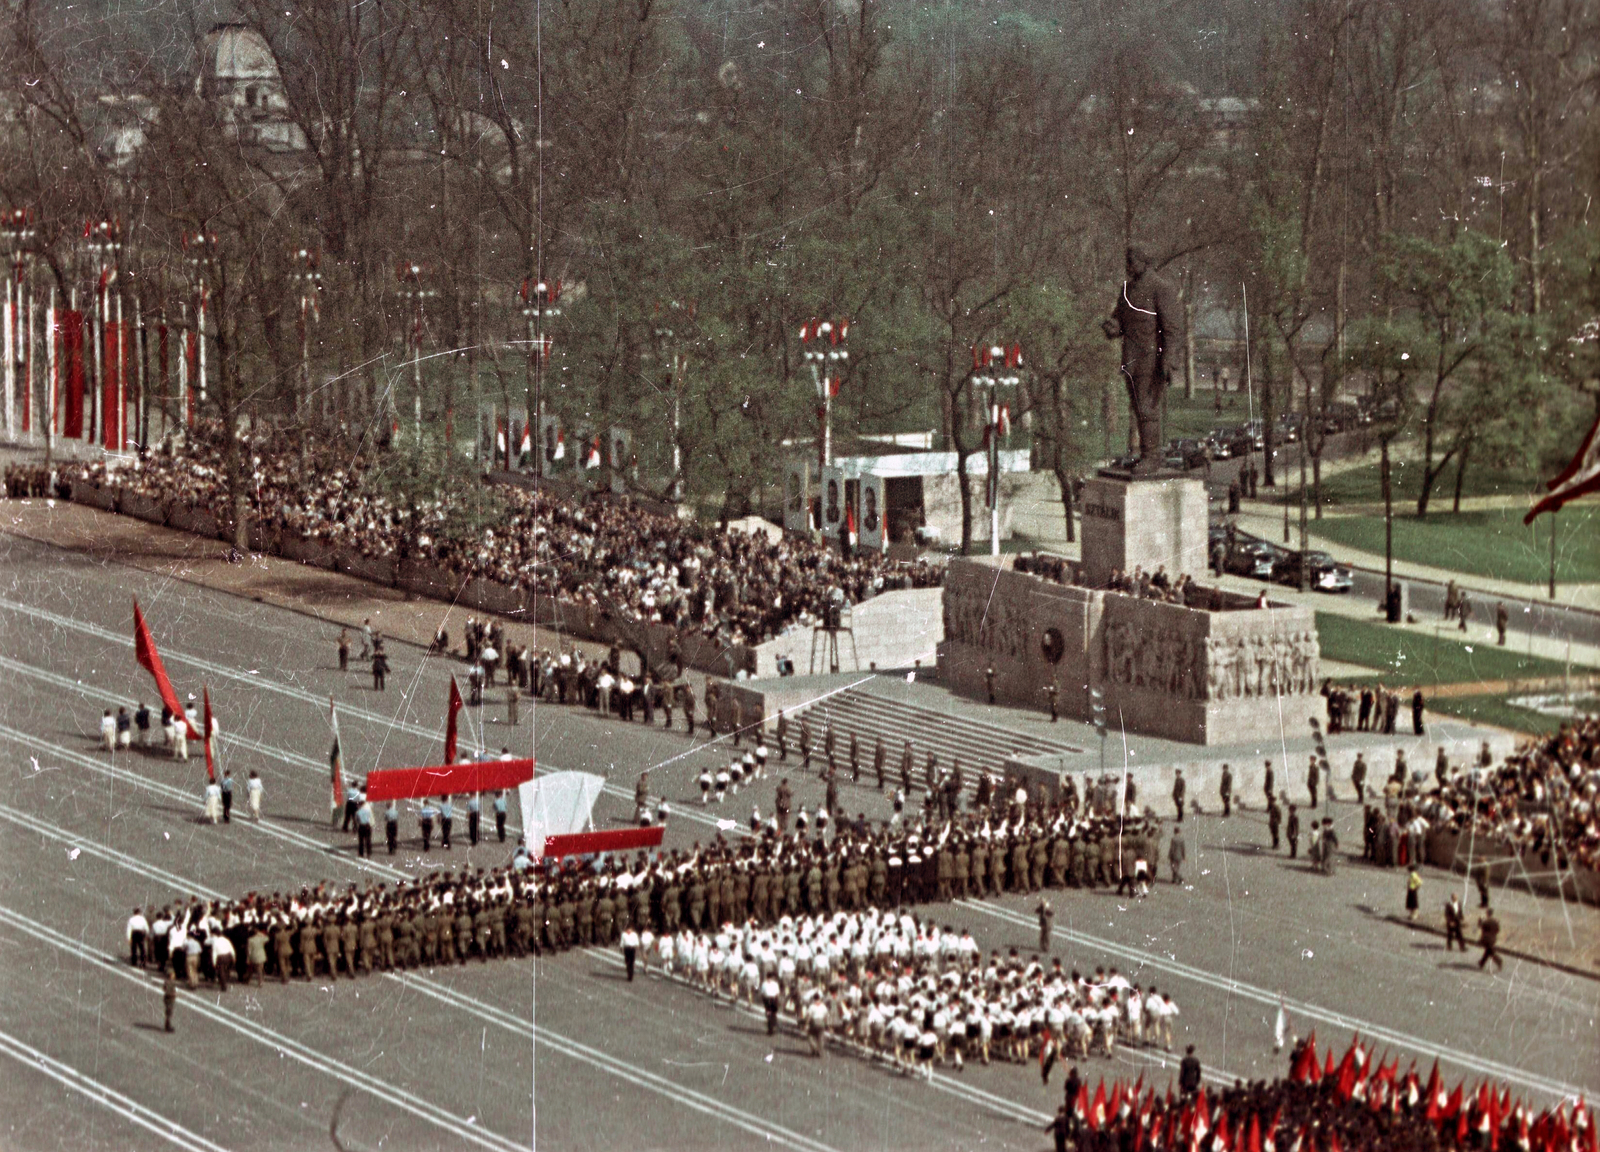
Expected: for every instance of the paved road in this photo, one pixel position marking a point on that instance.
(457, 1058)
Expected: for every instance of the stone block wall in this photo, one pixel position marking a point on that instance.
(1146, 523)
(1185, 674)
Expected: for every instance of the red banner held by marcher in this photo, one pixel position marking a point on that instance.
(612, 840)
(452, 710)
(144, 649)
(447, 779)
(211, 767)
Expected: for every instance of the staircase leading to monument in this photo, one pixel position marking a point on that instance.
(977, 744)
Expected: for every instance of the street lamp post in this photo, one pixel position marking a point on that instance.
(103, 238)
(825, 350)
(668, 348)
(996, 367)
(19, 232)
(410, 276)
(540, 299)
(310, 281)
(202, 249)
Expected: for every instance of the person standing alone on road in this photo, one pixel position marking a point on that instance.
(344, 649)
(380, 667)
(169, 995)
(1454, 921)
(1177, 853)
(1179, 788)
(1226, 789)
(1413, 893)
(1489, 936)
(1047, 916)
(252, 793)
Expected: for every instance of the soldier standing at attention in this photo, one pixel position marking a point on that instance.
(425, 817)
(344, 649)
(1274, 819)
(1227, 791)
(169, 995)
(500, 815)
(1293, 832)
(1268, 779)
(1047, 916)
(1489, 936)
(1179, 788)
(380, 667)
(391, 826)
(783, 736)
(877, 760)
(1177, 853)
(1052, 692)
(1454, 922)
(1313, 778)
(447, 814)
(988, 682)
(855, 760)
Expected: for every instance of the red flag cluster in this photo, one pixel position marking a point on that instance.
(1482, 1117)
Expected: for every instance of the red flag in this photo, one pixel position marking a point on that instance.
(1578, 478)
(1097, 1110)
(1328, 1071)
(1081, 1104)
(1333, 1141)
(1253, 1143)
(211, 769)
(850, 519)
(1222, 1140)
(451, 709)
(1435, 1094)
(611, 840)
(144, 650)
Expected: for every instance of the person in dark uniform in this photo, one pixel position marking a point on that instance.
(344, 649)
(227, 796)
(988, 682)
(380, 667)
(1180, 787)
(446, 818)
(877, 760)
(1489, 937)
(1416, 712)
(1052, 692)
(1274, 819)
(169, 995)
(1226, 789)
(1189, 1074)
(855, 760)
(1293, 832)
(783, 736)
(1501, 619)
(1455, 920)
(391, 826)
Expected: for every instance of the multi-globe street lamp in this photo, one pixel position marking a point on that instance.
(824, 347)
(540, 300)
(996, 367)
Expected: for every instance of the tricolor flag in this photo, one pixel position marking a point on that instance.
(527, 441)
(211, 768)
(561, 447)
(499, 436)
(1578, 478)
(451, 710)
(335, 761)
(593, 459)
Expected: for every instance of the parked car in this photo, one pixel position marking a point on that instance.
(1341, 416)
(1221, 444)
(1323, 572)
(1251, 557)
(1288, 427)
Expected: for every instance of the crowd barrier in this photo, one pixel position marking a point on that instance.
(1504, 863)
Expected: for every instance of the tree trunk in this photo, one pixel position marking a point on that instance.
(966, 497)
(1461, 467)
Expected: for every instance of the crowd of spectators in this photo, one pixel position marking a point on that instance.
(742, 588)
(1541, 803)
(1182, 590)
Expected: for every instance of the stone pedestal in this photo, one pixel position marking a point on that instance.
(1144, 522)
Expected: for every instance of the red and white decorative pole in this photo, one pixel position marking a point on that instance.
(823, 342)
(994, 367)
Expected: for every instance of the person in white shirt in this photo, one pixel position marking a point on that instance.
(223, 959)
(214, 802)
(253, 790)
(108, 731)
(138, 933)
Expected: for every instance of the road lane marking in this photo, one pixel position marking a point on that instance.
(107, 1097)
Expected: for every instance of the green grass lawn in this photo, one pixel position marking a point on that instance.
(1403, 657)
(1496, 710)
(1492, 542)
(1364, 485)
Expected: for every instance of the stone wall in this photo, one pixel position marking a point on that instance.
(892, 630)
(1146, 523)
(1187, 674)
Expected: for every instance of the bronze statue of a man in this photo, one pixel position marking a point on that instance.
(1149, 319)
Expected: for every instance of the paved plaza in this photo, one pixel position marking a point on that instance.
(562, 1052)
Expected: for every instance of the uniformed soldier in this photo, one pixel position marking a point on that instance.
(169, 995)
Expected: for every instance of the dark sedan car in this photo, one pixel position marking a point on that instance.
(1323, 572)
(1250, 557)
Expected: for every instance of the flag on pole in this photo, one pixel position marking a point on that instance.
(526, 446)
(593, 460)
(1578, 478)
(211, 768)
(1280, 1028)
(561, 446)
(144, 650)
(335, 760)
(451, 710)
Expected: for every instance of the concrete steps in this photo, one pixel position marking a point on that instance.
(977, 744)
